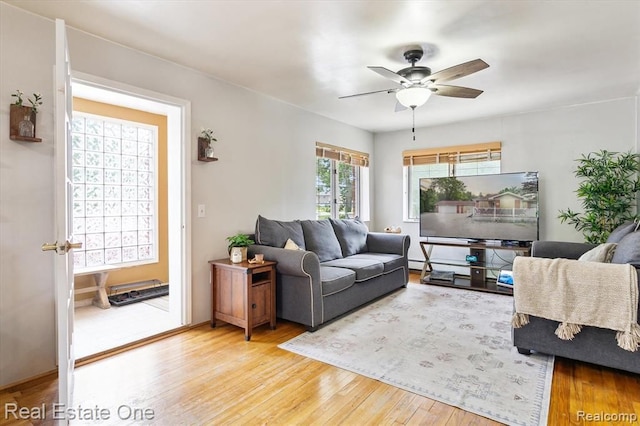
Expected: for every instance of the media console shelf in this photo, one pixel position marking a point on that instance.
(477, 278)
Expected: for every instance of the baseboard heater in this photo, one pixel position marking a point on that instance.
(126, 294)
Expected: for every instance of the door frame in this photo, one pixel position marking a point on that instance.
(178, 112)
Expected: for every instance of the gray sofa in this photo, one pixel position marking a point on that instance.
(329, 267)
(592, 344)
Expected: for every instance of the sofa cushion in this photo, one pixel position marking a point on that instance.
(275, 233)
(352, 235)
(364, 268)
(390, 262)
(320, 238)
(335, 279)
(628, 250)
(621, 231)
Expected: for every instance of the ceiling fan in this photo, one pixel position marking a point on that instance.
(418, 83)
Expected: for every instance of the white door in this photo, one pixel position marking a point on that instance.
(63, 221)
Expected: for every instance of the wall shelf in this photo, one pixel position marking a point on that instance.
(24, 139)
(16, 115)
(203, 144)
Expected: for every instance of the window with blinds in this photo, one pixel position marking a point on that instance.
(339, 176)
(460, 160)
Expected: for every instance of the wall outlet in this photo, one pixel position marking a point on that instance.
(201, 212)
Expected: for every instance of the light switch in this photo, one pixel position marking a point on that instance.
(200, 210)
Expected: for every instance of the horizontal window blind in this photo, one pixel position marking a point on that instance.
(344, 155)
(453, 154)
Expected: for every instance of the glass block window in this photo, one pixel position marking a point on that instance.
(115, 187)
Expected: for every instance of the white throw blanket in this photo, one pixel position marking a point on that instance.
(577, 293)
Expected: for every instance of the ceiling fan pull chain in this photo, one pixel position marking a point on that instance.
(413, 129)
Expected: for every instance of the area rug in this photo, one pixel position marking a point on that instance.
(447, 344)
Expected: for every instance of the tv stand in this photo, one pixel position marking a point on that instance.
(477, 278)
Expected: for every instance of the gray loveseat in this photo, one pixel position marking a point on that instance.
(329, 267)
(592, 344)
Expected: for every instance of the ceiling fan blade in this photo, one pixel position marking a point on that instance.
(454, 91)
(456, 71)
(368, 93)
(387, 73)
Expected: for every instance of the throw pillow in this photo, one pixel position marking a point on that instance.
(601, 253)
(291, 245)
(352, 235)
(275, 233)
(621, 231)
(320, 238)
(628, 250)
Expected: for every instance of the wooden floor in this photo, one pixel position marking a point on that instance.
(212, 376)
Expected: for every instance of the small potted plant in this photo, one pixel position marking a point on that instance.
(207, 136)
(23, 116)
(238, 247)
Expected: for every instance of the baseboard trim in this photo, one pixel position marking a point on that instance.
(123, 348)
(82, 302)
(53, 374)
(30, 381)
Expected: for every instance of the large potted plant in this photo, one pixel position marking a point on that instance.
(238, 247)
(609, 193)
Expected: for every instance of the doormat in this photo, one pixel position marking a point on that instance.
(135, 296)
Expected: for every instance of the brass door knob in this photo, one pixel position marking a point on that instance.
(61, 248)
(50, 246)
(68, 246)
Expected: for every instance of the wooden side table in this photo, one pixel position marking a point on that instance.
(243, 294)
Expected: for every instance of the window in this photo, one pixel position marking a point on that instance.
(339, 176)
(115, 192)
(462, 160)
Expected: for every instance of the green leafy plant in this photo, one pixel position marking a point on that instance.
(208, 135)
(35, 102)
(18, 96)
(239, 240)
(609, 193)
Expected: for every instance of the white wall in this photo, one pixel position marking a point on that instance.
(546, 141)
(27, 333)
(267, 166)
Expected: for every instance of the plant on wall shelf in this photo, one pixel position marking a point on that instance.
(35, 102)
(609, 193)
(208, 135)
(205, 145)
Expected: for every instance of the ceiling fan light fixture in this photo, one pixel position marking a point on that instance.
(413, 97)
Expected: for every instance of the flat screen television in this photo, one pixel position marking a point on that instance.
(482, 207)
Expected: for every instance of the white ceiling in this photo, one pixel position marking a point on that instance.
(542, 54)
